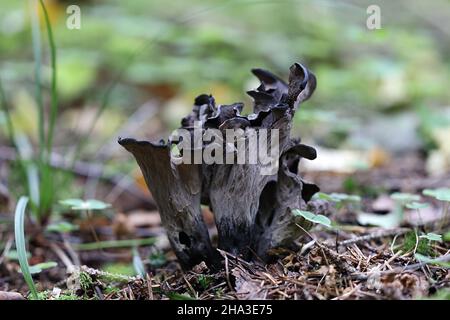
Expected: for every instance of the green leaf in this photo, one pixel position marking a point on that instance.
(442, 194)
(417, 205)
(390, 220)
(157, 259)
(177, 296)
(345, 197)
(37, 268)
(138, 264)
(405, 197)
(446, 237)
(62, 227)
(19, 233)
(324, 196)
(432, 236)
(338, 197)
(14, 255)
(428, 260)
(78, 204)
(72, 203)
(314, 218)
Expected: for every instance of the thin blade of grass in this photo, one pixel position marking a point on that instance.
(37, 53)
(138, 265)
(46, 181)
(4, 107)
(54, 93)
(53, 88)
(113, 244)
(25, 152)
(19, 233)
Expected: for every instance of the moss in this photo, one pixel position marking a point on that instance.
(204, 281)
(68, 296)
(119, 268)
(86, 281)
(443, 294)
(111, 290)
(42, 295)
(410, 241)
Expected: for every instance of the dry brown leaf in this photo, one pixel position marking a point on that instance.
(246, 288)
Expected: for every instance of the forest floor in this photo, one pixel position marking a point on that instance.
(349, 261)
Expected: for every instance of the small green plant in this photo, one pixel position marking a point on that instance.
(441, 194)
(421, 258)
(22, 253)
(314, 218)
(404, 198)
(86, 281)
(42, 184)
(111, 290)
(37, 169)
(446, 237)
(14, 255)
(68, 296)
(396, 216)
(85, 205)
(417, 205)
(19, 222)
(401, 201)
(432, 237)
(340, 199)
(413, 243)
(157, 259)
(120, 268)
(442, 294)
(178, 296)
(38, 268)
(61, 227)
(204, 281)
(138, 265)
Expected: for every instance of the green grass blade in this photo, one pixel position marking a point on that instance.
(37, 53)
(25, 150)
(54, 93)
(4, 107)
(138, 265)
(19, 222)
(114, 244)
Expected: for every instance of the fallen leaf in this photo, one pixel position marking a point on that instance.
(246, 288)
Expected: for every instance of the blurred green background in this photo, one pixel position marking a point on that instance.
(386, 88)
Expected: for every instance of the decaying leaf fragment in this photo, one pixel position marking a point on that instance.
(251, 204)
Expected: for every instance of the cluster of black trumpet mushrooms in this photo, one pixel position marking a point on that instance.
(252, 211)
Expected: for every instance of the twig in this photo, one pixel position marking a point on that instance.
(193, 292)
(149, 286)
(227, 271)
(8, 246)
(64, 258)
(337, 259)
(372, 236)
(412, 267)
(71, 252)
(348, 294)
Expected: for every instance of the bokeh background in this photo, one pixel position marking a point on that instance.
(134, 68)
